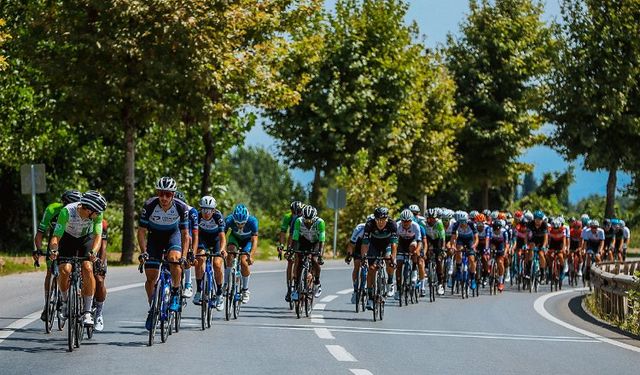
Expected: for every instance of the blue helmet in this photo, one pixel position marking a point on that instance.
(240, 214)
(538, 214)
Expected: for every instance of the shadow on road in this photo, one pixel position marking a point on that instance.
(575, 305)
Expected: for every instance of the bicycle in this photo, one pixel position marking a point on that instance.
(304, 291)
(493, 273)
(432, 277)
(232, 294)
(161, 300)
(75, 328)
(379, 287)
(361, 291)
(555, 268)
(461, 279)
(209, 290)
(52, 300)
(586, 272)
(288, 254)
(532, 277)
(574, 265)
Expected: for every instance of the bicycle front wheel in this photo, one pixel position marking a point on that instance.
(51, 303)
(71, 327)
(204, 303)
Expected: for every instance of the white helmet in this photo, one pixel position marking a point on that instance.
(406, 215)
(414, 208)
(208, 202)
(166, 184)
(461, 216)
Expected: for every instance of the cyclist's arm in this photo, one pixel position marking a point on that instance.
(97, 234)
(476, 240)
(61, 225)
(142, 239)
(350, 248)
(102, 254)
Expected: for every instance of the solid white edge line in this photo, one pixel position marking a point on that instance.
(340, 353)
(360, 371)
(323, 333)
(538, 305)
(329, 298)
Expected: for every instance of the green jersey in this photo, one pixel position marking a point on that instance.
(436, 231)
(70, 222)
(50, 217)
(313, 234)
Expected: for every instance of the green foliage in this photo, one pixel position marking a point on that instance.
(497, 64)
(529, 184)
(632, 321)
(368, 185)
(3, 38)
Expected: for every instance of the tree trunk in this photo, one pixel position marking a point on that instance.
(315, 188)
(611, 193)
(207, 161)
(485, 195)
(128, 244)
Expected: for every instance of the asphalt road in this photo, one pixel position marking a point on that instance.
(502, 334)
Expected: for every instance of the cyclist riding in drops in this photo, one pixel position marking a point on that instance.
(557, 243)
(242, 239)
(538, 239)
(211, 237)
(163, 225)
(353, 252)
(465, 238)
(78, 233)
(286, 229)
(193, 245)
(309, 236)
(593, 238)
(435, 236)
(380, 239)
(484, 251)
(500, 242)
(409, 244)
(421, 256)
(48, 222)
(100, 273)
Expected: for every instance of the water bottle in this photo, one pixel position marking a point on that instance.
(414, 276)
(167, 293)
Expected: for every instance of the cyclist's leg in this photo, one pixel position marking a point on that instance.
(68, 247)
(541, 256)
(199, 267)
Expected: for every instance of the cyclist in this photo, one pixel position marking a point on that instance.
(538, 239)
(163, 225)
(353, 252)
(79, 233)
(243, 239)
(483, 249)
(609, 239)
(465, 238)
(380, 239)
(627, 237)
(619, 239)
(288, 221)
(48, 223)
(187, 292)
(99, 273)
(435, 235)
(557, 245)
(500, 243)
(593, 241)
(422, 245)
(211, 236)
(309, 236)
(409, 244)
(575, 241)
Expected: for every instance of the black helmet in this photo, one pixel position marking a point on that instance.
(180, 195)
(309, 212)
(93, 201)
(71, 196)
(381, 212)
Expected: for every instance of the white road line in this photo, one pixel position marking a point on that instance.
(21, 323)
(340, 353)
(360, 371)
(323, 333)
(319, 306)
(345, 291)
(318, 319)
(538, 305)
(329, 298)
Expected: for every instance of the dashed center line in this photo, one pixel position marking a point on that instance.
(345, 291)
(323, 333)
(319, 306)
(340, 353)
(360, 371)
(329, 298)
(318, 319)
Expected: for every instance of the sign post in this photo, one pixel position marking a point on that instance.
(33, 181)
(336, 199)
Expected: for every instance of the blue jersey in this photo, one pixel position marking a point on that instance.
(499, 239)
(464, 234)
(483, 235)
(249, 229)
(193, 221)
(209, 230)
(164, 226)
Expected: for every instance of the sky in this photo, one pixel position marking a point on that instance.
(436, 19)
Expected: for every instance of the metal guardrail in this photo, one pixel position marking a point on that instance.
(611, 284)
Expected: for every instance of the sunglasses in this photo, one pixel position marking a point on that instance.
(165, 194)
(207, 211)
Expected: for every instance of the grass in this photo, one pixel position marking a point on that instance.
(10, 264)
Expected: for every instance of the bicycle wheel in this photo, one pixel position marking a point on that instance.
(50, 304)
(236, 299)
(204, 302)
(228, 300)
(71, 327)
(79, 326)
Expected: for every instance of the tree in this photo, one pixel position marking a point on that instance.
(595, 91)
(3, 38)
(529, 184)
(551, 196)
(497, 64)
(365, 91)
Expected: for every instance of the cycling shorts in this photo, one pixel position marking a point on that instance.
(468, 244)
(70, 246)
(556, 245)
(243, 246)
(374, 252)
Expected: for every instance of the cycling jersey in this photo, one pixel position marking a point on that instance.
(449, 231)
(537, 234)
(241, 238)
(379, 239)
(163, 226)
(483, 235)
(406, 236)
(306, 237)
(609, 237)
(356, 239)
(435, 231)
(464, 234)
(556, 238)
(105, 230)
(50, 217)
(193, 220)
(593, 239)
(499, 238)
(288, 221)
(209, 231)
(76, 234)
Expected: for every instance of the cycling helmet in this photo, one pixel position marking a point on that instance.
(538, 214)
(494, 215)
(406, 215)
(473, 214)
(447, 215)
(615, 222)
(461, 216)
(518, 214)
(622, 224)
(414, 209)
(180, 195)
(594, 223)
(370, 217)
(71, 196)
(381, 213)
(572, 219)
(166, 184)
(240, 214)
(498, 224)
(561, 219)
(208, 202)
(296, 206)
(309, 212)
(480, 218)
(555, 223)
(509, 216)
(501, 216)
(606, 223)
(528, 216)
(585, 219)
(93, 201)
(432, 213)
(487, 213)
